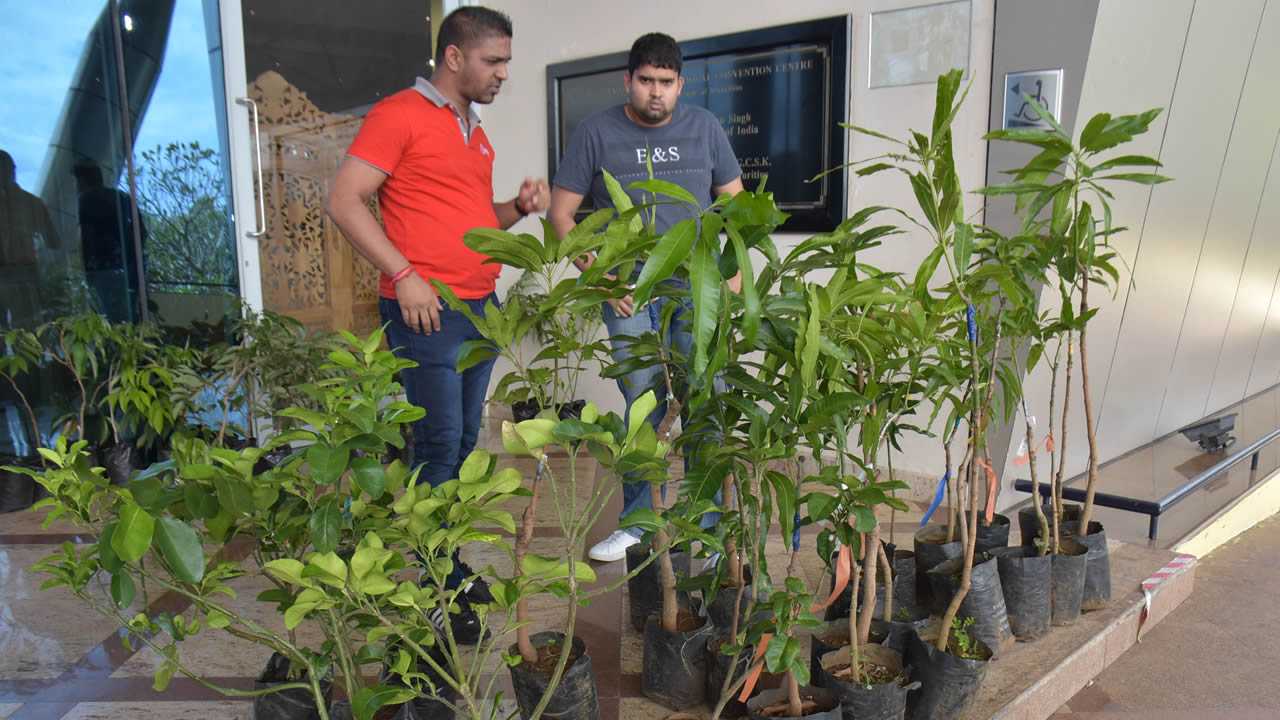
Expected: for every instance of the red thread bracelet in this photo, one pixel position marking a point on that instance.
(395, 279)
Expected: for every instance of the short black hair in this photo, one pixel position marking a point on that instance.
(656, 49)
(469, 25)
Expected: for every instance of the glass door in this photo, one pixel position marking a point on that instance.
(115, 186)
(303, 75)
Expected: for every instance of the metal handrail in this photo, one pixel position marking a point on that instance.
(1226, 464)
(1156, 508)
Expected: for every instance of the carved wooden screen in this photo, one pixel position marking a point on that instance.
(309, 270)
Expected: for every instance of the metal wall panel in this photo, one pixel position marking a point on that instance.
(1195, 142)
(1248, 167)
(1266, 359)
(1247, 108)
(1133, 64)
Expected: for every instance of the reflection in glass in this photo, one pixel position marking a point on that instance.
(76, 235)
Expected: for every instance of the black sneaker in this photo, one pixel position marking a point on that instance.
(476, 591)
(465, 624)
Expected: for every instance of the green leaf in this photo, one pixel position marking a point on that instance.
(369, 476)
(864, 519)
(202, 503)
(642, 518)
(522, 251)
(106, 555)
(326, 523)
(132, 536)
(924, 197)
(326, 567)
(1143, 178)
(784, 494)
(368, 700)
(327, 463)
(166, 670)
(528, 437)
(705, 283)
(673, 247)
(670, 189)
(821, 506)
(288, 570)
(123, 591)
(750, 296)
(1141, 160)
(639, 413)
(181, 548)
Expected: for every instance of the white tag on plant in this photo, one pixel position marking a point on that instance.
(1022, 446)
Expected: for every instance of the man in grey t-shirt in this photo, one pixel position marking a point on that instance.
(685, 145)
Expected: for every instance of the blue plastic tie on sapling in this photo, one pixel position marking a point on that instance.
(971, 315)
(937, 499)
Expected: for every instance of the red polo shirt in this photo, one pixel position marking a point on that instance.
(439, 186)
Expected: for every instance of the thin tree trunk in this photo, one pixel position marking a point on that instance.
(1062, 447)
(886, 568)
(527, 652)
(871, 541)
(855, 576)
(1036, 502)
(968, 535)
(1089, 429)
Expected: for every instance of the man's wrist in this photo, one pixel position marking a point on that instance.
(519, 208)
(404, 273)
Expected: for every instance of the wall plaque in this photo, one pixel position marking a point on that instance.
(780, 94)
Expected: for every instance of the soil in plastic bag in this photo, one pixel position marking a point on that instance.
(644, 590)
(984, 602)
(291, 704)
(675, 663)
(832, 636)
(1029, 525)
(17, 491)
(820, 704)
(718, 669)
(882, 695)
(995, 535)
(427, 705)
(931, 548)
(574, 698)
(1069, 567)
(1027, 581)
(1097, 572)
(117, 460)
(949, 685)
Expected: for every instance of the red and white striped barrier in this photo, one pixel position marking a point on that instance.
(1182, 560)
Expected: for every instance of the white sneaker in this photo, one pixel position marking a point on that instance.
(613, 547)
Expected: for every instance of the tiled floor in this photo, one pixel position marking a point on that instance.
(1212, 657)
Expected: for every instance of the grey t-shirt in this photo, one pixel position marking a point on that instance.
(691, 151)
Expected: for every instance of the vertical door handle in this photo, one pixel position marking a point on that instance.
(262, 191)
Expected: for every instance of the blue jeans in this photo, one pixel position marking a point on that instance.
(453, 401)
(636, 491)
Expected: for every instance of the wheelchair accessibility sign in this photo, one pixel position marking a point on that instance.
(1022, 88)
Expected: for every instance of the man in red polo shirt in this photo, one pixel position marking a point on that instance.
(424, 153)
